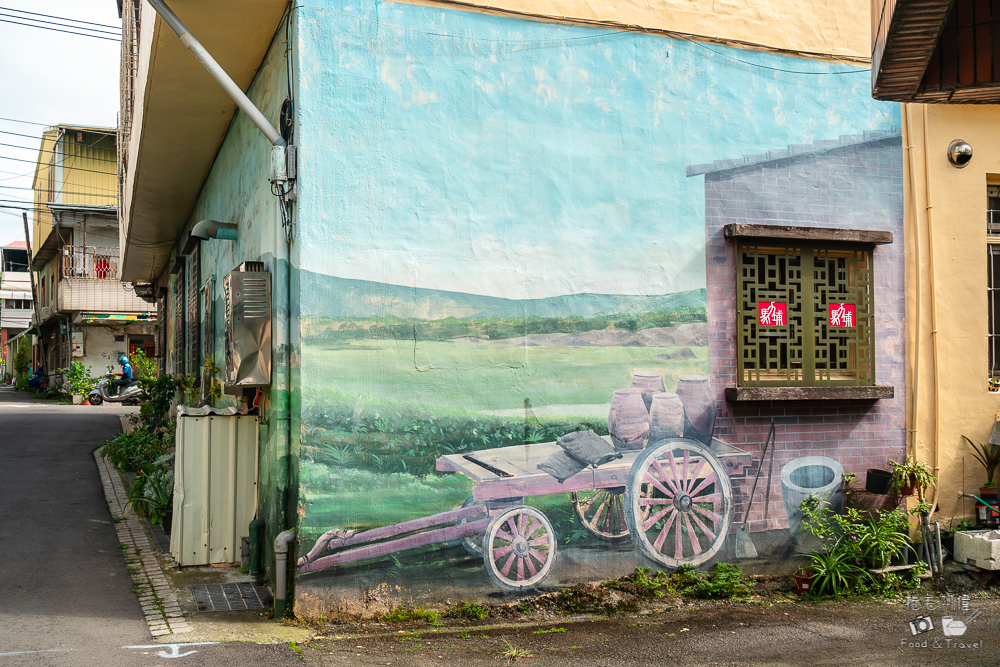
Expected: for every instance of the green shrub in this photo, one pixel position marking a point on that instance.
(152, 493)
(133, 451)
(724, 581)
(143, 367)
(161, 391)
(22, 362)
(78, 379)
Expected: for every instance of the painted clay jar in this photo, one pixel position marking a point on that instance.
(699, 406)
(649, 383)
(628, 421)
(666, 417)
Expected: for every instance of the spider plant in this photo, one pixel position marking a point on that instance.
(835, 571)
(988, 455)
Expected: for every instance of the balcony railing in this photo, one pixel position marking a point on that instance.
(90, 262)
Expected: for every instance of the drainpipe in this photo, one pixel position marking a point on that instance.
(917, 278)
(281, 543)
(219, 74)
(934, 320)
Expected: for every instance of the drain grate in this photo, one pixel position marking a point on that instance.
(231, 597)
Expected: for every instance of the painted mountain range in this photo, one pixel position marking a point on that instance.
(333, 297)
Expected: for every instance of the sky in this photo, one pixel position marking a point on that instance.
(50, 77)
(520, 159)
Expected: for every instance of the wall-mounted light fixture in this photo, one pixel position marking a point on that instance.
(145, 291)
(213, 229)
(959, 153)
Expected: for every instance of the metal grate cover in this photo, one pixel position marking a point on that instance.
(231, 597)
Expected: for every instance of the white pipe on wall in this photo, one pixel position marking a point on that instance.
(219, 74)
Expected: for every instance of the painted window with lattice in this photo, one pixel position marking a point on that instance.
(806, 313)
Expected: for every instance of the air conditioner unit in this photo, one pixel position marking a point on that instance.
(248, 328)
(45, 312)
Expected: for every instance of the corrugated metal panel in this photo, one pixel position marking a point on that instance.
(215, 493)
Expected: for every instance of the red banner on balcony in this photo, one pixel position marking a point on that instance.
(772, 314)
(841, 314)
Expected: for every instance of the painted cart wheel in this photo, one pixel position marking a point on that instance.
(602, 513)
(473, 544)
(680, 503)
(520, 547)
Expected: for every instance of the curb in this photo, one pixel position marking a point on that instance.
(159, 604)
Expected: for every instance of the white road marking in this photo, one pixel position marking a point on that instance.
(42, 650)
(174, 648)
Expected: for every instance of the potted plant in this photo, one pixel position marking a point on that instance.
(954, 525)
(909, 476)
(803, 581)
(988, 455)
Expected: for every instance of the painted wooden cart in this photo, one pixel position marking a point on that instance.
(673, 499)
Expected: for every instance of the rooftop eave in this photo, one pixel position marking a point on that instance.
(182, 117)
(904, 34)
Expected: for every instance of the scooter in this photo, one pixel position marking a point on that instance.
(101, 393)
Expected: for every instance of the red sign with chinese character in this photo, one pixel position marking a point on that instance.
(772, 314)
(841, 314)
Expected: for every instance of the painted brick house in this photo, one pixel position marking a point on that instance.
(849, 183)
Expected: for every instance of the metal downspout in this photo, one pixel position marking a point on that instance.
(934, 320)
(219, 74)
(915, 392)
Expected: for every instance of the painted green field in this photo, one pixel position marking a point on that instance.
(490, 378)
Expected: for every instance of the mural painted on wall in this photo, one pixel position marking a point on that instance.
(505, 316)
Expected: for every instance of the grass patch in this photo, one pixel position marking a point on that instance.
(472, 610)
(512, 654)
(406, 614)
(725, 581)
(549, 631)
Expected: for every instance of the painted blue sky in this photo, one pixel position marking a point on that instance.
(475, 153)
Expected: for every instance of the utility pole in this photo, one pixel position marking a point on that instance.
(34, 294)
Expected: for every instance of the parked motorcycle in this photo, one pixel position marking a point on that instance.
(101, 393)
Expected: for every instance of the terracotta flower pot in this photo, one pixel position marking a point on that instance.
(666, 417)
(628, 421)
(803, 581)
(649, 383)
(699, 406)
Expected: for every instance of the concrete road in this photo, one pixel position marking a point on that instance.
(65, 596)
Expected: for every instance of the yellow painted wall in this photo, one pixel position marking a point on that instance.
(946, 270)
(42, 217)
(89, 173)
(839, 27)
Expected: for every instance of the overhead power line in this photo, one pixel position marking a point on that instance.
(58, 18)
(27, 122)
(65, 192)
(48, 150)
(68, 32)
(45, 164)
(39, 23)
